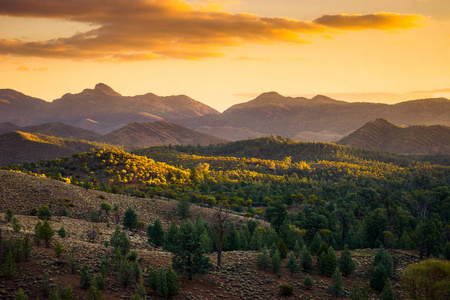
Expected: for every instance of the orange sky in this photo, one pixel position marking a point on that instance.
(225, 52)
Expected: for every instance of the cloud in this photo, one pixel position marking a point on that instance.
(432, 91)
(23, 68)
(137, 30)
(253, 58)
(380, 21)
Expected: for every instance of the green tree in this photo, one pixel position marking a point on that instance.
(263, 260)
(188, 258)
(315, 244)
(276, 261)
(67, 294)
(26, 247)
(62, 232)
(120, 240)
(379, 278)
(282, 249)
(346, 263)
(172, 237)
(45, 213)
(306, 259)
(9, 215)
(152, 279)
(64, 213)
(86, 278)
(58, 249)
(173, 285)
(308, 283)
(16, 225)
(161, 286)
(446, 251)
(72, 261)
(276, 214)
(46, 233)
(297, 249)
(106, 207)
(383, 257)
(234, 241)
(388, 293)
(125, 273)
(130, 219)
(328, 262)
(20, 295)
(156, 234)
(183, 208)
(37, 232)
(337, 285)
(9, 266)
(292, 265)
(430, 237)
(94, 293)
(357, 293)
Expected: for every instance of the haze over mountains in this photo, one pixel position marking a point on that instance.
(417, 139)
(102, 111)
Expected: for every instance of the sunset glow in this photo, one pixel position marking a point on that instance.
(218, 51)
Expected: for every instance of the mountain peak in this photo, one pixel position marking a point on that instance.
(105, 89)
(270, 95)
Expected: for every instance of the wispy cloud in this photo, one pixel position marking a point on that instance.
(432, 91)
(23, 68)
(137, 30)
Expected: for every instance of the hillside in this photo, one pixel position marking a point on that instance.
(100, 109)
(18, 147)
(157, 133)
(385, 136)
(57, 129)
(320, 118)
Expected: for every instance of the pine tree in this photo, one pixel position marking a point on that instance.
(26, 247)
(37, 232)
(308, 283)
(306, 259)
(183, 209)
(346, 263)
(46, 233)
(9, 215)
(282, 248)
(189, 258)
(292, 265)
(297, 249)
(86, 278)
(337, 285)
(446, 251)
(100, 281)
(67, 294)
(64, 212)
(263, 261)
(16, 225)
(379, 278)
(125, 273)
(328, 262)
(9, 266)
(172, 237)
(383, 257)
(322, 249)
(136, 270)
(315, 244)
(257, 241)
(58, 249)
(357, 293)
(152, 279)
(20, 295)
(62, 232)
(388, 293)
(234, 241)
(94, 293)
(161, 287)
(173, 285)
(44, 213)
(130, 219)
(155, 234)
(276, 262)
(140, 293)
(72, 261)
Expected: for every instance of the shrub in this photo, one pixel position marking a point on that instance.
(286, 289)
(308, 283)
(67, 293)
(64, 212)
(20, 295)
(94, 216)
(140, 225)
(44, 213)
(9, 215)
(428, 279)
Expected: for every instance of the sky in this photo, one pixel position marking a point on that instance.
(227, 52)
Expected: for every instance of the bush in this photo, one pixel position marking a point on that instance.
(428, 279)
(9, 215)
(44, 213)
(140, 225)
(20, 295)
(286, 289)
(308, 283)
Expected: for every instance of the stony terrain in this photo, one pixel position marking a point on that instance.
(237, 279)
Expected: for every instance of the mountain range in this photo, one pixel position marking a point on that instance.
(386, 136)
(103, 110)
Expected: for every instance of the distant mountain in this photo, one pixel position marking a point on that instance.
(157, 133)
(386, 136)
(18, 147)
(100, 109)
(52, 129)
(230, 133)
(320, 118)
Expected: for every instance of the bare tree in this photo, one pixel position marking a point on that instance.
(220, 225)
